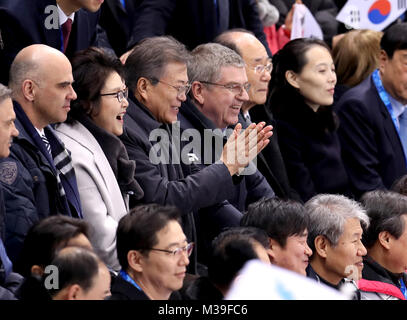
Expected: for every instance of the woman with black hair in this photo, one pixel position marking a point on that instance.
(303, 82)
(104, 173)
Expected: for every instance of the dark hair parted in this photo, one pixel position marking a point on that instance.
(138, 229)
(291, 57)
(91, 68)
(231, 250)
(45, 238)
(150, 57)
(394, 38)
(385, 210)
(75, 265)
(279, 218)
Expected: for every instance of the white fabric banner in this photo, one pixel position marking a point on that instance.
(371, 14)
(304, 24)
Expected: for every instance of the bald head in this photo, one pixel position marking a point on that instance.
(34, 62)
(256, 58)
(41, 79)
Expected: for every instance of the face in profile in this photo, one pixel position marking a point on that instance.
(345, 259)
(294, 255)
(7, 128)
(112, 105)
(164, 272)
(316, 81)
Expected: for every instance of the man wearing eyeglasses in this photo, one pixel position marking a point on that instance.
(219, 90)
(258, 69)
(38, 178)
(153, 252)
(156, 73)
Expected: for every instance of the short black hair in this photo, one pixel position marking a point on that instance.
(75, 265)
(394, 38)
(385, 210)
(44, 238)
(279, 218)
(230, 251)
(138, 229)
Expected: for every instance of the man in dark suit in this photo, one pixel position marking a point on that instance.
(198, 21)
(258, 68)
(156, 73)
(23, 23)
(373, 128)
(117, 18)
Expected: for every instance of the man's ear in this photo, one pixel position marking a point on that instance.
(385, 238)
(142, 87)
(37, 270)
(383, 59)
(196, 91)
(28, 90)
(135, 259)
(272, 251)
(74, 292)
(321, 245)
(292, 78)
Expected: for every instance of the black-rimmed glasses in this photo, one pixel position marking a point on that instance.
(120, 95)
(178, 251)
(236, 88)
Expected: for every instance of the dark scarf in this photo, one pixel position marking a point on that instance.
(116, 154)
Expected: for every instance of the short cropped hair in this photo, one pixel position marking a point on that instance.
(394, 38)
(226, 39)
(231, 250)
(279, 218)
(75, 265)
(150, 57)
(45, 238)
(208, 59)
(5, 93)
(91, 68)
(328, 214)
(385, 210)
(138, 229)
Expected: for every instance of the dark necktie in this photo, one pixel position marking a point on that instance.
(66, 31)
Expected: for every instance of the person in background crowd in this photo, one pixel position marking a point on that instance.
(66, 25)
(153, 252)
(373, 127)
(81, 276)
(286, 224)
(356, 55)
(335, 237)
(103, 170)
(38, 178)
(303, 84)
(384, 271)
(230, 251)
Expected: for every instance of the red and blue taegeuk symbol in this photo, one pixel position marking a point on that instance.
(379, 11)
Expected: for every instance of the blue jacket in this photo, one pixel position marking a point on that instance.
(30, 186)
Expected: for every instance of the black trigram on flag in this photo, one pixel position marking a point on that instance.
(354, 16)
(401, 4)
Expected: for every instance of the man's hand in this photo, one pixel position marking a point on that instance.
(243, 147)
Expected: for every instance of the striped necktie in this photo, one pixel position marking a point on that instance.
(46, 143)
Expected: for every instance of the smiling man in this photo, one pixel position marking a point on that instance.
(335, 237)
(38, 177)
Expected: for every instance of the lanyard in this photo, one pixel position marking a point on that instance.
(127, 278)
(403, 288)
(384, 96)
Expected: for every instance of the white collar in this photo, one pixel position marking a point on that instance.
(40, 132)
(63, 17)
